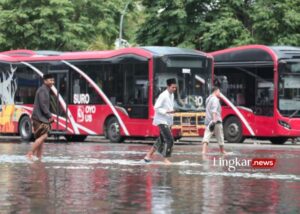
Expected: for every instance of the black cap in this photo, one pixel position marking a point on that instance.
(171, 81)
(48, 76)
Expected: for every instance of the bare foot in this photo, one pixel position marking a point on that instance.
(29, 155)
(204, 148)
(167, 162)
(204, 156)
(223, 152)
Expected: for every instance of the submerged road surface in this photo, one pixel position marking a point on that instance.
(112, 178)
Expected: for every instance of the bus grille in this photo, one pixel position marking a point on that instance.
(189, 123)
(189, 119)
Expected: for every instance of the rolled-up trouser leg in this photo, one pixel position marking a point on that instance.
(167, 138)
(158, 145)
(219, 134)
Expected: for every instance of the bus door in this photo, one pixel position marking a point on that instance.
(264, 104)
(59, 101)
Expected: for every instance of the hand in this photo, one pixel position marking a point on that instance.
(51, 120)
(211, 126)
(170, 112)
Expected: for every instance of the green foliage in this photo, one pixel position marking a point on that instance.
(211, 25)
(277, 22)
(167, 23)
(100, 44)
(60, 24)
(88, 24)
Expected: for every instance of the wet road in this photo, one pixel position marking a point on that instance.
(111, 178)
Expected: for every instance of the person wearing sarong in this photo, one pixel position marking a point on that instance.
(41, 116)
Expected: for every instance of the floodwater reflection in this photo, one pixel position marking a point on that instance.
(111, 178)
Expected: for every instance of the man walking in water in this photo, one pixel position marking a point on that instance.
(213, 121)
(41, 116)
(163, 118)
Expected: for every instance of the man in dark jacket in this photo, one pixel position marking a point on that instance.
(41, 116)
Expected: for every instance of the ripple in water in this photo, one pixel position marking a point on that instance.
(244, 175)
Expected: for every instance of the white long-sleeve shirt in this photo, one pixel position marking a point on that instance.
(164, 104)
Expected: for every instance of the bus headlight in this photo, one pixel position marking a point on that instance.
(284, 124)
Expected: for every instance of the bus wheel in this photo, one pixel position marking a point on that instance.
(113, 130)
(278, 140)
(233, 130)
(75, 138)
(25, 128)
(105, 131)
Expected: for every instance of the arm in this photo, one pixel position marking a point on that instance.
(159, 105)
(214, 114)
(43, 100)
(214, 109)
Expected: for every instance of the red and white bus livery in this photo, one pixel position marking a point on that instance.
(107, 93)
(263, 82)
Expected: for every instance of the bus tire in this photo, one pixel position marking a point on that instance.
(233, 132)
(278, 140)
(114, 130)
(25, 129)
(105, 129)
(75, 138)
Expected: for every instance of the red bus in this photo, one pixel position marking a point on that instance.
(263, 82)
(107, 93)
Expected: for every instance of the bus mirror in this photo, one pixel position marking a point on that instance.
(282, 66)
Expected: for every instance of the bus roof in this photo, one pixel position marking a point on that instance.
(48, 55)
(256, 53)
(161, 51)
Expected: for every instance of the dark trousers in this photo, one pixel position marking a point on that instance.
(164, 143)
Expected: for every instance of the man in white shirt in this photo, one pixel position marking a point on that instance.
(163, 118)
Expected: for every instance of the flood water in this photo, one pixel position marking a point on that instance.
(111, 178)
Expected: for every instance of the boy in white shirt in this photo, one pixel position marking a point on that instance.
(163, 118)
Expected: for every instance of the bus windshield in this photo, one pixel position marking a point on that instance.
(289, 89)
(192, 82)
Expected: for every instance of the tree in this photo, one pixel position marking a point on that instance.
(276, 22)
(227, 24)
(170, 22)
(211, 25)
(59, 24)
(37, 24)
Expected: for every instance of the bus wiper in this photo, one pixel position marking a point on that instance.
(200, 79)
(294, 113)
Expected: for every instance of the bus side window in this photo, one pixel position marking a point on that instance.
(131, 97)
(96, 71)
(157, 90)
(141, 83)
(141, 91)
(27, 84)
(76, 87)
(264, 92)
(136, 83)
